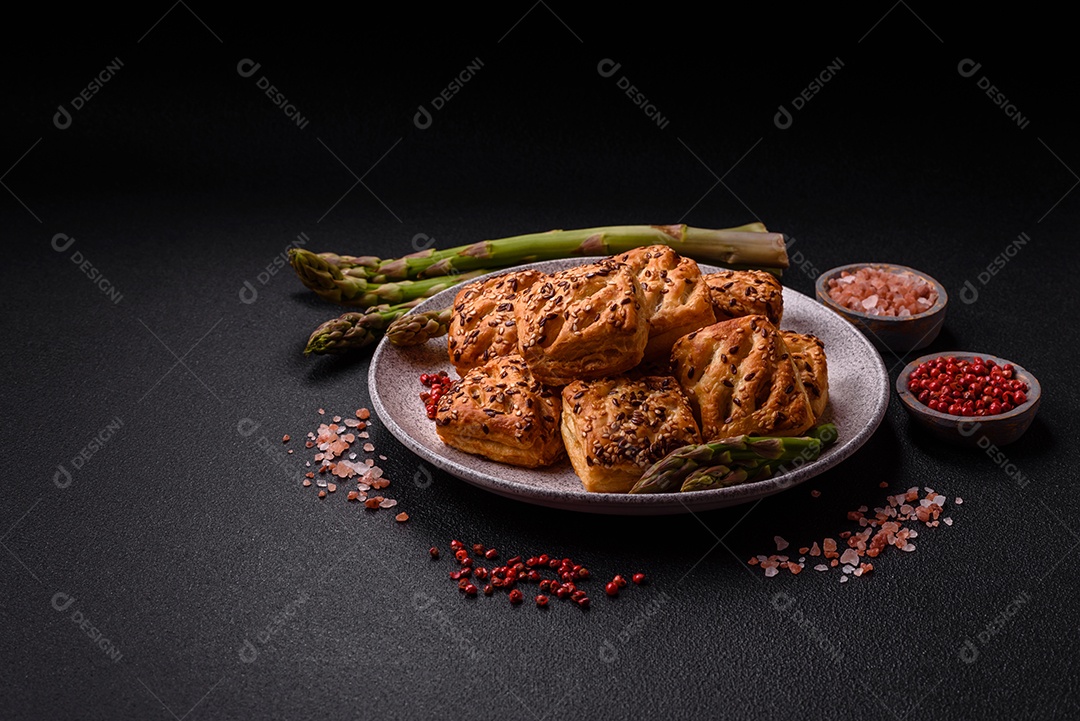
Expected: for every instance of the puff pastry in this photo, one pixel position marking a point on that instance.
(739, 378)
(736, 293)
(583, 322)
(808, 355)
(615, 428)
(501, 412)
(483, 326)
(677, 300)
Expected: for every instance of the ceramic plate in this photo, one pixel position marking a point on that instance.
(858, 397)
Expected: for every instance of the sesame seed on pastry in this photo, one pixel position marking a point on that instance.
(483, 325)
(677, 300)
(615, 428)
(736, 293)
(583, 322)
(501, 412)
(808, 355)
(740, 378)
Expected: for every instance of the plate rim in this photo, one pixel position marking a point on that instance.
(622, 503)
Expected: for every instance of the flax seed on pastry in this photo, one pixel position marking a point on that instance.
(483, 326)
(615, 428)
(501, 412)
(739, 378)
(808, 355)
(677, 300)
(583, 322)
(736, 293)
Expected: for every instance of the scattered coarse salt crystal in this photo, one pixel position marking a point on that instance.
(815, 550)
(320, 482)
(821, 567)
(843, 579)
(322, 494)
(382, 458)
(771, 571)
(870, 302)
(781, 544)
(815, 493)
(369, 447)
(363, 414)
(285, 438)
(947, 520)
(908, 547)
(863, 509)
(337, 419)
(307, 482)
(352, 422)
(369, 462)
(352, 456)
(388, 503)
(849, 556)
(401, 517)
(958, 500)
(322, 412)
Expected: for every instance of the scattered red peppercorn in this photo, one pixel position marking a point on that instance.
(516, 596)
(611, 589)
(491, 553)
(541, 600)
(619, 581)
(638, 578)
(434, 552)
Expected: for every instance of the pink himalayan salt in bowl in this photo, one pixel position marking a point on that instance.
(895, 306)
(875, 291)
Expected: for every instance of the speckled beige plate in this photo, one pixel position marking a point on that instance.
(858, 397)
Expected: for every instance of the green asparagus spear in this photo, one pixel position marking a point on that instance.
(331, 283)
(757, 457)
(746, 246)
(705, 479)
(418, 328)
(352, 331)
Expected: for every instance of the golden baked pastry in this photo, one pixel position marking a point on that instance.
(677, 300)
(483, 325)
(615, 428)
(501, 412)
(739, 378)
(583, 322)
(736, 293)
(808, 355)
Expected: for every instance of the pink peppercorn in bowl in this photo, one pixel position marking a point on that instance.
(954, 424)
(895, 306)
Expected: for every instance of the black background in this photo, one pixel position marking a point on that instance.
(180, 540)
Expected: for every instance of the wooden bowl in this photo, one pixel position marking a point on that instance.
(982, 431)
(898, 334)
